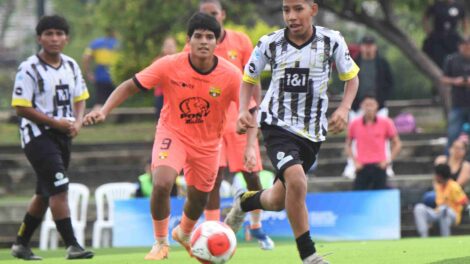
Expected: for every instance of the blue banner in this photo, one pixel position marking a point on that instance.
(369, 215)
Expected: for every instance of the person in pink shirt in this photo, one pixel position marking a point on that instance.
(370, 134)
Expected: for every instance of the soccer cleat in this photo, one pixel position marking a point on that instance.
(314, 259)
(264, 241)
(159, 251)
(182, 238)
(77, 252)
(236, 216)
(23, 252)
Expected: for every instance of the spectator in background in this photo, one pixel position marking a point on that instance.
(450, 200)
(169, 47)
(376, 80)
(457, 73)
(442, 37)
(370, 134)
(375, 75)
(459, 168)
(103, 53)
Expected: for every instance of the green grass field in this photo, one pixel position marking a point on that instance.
(406, 251)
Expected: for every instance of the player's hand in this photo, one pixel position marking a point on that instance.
(244, 122)
(63, 125)
(338, 120)
(94, 117)
(250, 158)
(75, 129)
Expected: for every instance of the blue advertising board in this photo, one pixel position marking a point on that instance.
(367, 215)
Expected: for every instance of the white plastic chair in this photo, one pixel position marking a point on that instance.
(78, 195)
(107, 194)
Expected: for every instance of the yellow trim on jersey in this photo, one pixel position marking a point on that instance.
(249, 79)
(85, 95)
(21, 102)
(349, 75)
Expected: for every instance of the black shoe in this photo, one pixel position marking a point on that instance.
(22, 252)
(77, 252)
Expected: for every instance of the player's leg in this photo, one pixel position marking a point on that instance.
(168, 157)
(212, 210)
(55, 167)
(256, 229)
(200, 173)
(31, 221)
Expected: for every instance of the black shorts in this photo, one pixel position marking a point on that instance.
(103, 91)
(286, 149)
(49, 154)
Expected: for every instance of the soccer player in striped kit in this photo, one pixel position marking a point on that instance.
(292, 114)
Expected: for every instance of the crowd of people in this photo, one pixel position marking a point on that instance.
(200, 130)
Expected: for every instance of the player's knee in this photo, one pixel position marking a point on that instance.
(162, 187)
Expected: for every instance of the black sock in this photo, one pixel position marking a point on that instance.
(251, 201)
(305, 245)
(64, 226)
(27, 228)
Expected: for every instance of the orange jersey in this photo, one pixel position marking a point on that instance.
(195, 104)
(235, 47)
(451, 195)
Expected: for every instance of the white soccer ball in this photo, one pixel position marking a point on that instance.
(213, 242)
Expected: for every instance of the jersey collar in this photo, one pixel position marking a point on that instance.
(303, 45)
(216, 61)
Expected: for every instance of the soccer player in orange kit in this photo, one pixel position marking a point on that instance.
(198, 88)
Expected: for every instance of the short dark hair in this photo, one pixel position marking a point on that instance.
(443, 170)
(52, 22)
(205, 22)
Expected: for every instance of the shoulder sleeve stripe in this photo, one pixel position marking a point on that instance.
(21, 102)
(251, 80)
(85, 95)
(139, 85)
(349, 75)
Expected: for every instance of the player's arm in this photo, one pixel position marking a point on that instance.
(245, 118)
(464, 175)
(348, 72)
(119, 95)
(78, 112)
(339, 119)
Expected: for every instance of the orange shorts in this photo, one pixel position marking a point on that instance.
(232, 151)
(200, 167)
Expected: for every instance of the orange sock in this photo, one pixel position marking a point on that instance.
(212, 215)
(255, 221)
(187, 224)
(160, 228)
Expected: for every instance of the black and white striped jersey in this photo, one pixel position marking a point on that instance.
(297, 96)
(49, 90)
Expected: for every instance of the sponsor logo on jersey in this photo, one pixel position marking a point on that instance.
(194, 109)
